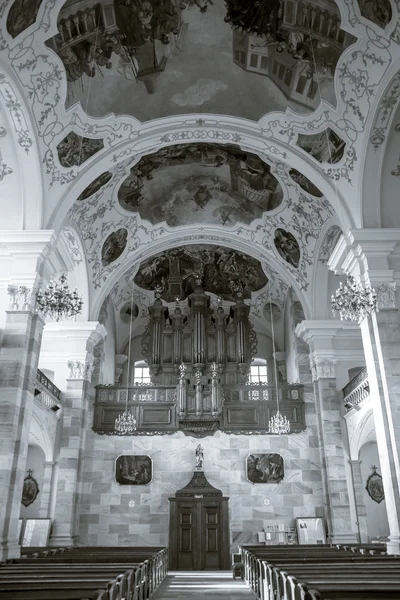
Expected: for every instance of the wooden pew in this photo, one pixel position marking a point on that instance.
(109, 574)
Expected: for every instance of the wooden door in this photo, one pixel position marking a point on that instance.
(187, 538)
(211, 536)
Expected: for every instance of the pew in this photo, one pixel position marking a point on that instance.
(122, 573)
(321, 573)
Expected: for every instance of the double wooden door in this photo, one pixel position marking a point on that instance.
(199, 534)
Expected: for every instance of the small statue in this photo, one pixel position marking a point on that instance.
(199, 457)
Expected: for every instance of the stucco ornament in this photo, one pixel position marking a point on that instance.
(386, 296)
(21, 298)
(322, 368)
(80, 369)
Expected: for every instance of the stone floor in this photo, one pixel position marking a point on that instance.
(197, 585)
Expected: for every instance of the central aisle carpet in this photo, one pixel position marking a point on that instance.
(197, 585)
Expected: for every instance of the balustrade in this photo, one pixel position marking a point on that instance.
(356, 390)
(47, 393)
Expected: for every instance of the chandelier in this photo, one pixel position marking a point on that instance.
(278, 423)
(125, 423)
(58, 302)
(352, 301)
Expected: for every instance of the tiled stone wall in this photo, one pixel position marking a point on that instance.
(107, 519)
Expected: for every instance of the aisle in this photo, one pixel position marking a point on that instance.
(195, 585)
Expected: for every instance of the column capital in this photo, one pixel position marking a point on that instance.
(365, 254)
(21, 253)
(323, 366)
(81, 369)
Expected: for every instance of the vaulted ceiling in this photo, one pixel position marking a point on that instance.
(164, 123)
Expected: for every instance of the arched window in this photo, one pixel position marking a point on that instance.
(141, 372)
(258, 371)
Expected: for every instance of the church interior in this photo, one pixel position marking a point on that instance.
(199, 299)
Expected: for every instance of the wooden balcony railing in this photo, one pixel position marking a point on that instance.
(356, 390)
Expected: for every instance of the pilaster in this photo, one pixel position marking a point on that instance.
(372, 257)
(77, 341)
(320, 336)
(359, 490)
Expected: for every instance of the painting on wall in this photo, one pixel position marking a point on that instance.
(374, 486)
(95, 186)
(325, 146)
(287, 247)
(22, 15)
(264, 468)
(200, 183)
(74, 149)
(219, 269)
(30, 489)
(133, 470)
(114, 246)
(377, 11)
(117, 54)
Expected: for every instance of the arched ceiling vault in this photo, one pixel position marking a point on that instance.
(316, 71)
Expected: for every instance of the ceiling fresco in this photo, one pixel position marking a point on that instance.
(325, 146)
(200, 183)
(95, 186)
(305, 183)
(222, 271)
(287, 247)
(114, 246)
(377, 11)
(160, 55)
(22, 14)
(74, 149)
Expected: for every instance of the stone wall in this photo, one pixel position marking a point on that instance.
(107, 519)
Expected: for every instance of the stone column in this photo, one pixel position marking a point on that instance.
(372, 257)
(19, 356)
(46, 490)
(320, 335)
(359, 490)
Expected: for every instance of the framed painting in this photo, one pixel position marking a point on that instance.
(30, 490)
(134, 469)
(264, 468)
(311, 530)
(374, 486)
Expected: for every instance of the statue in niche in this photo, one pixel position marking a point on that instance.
(199, 457)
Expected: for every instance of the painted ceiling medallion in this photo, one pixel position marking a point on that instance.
(221, 267)
(95, 186)
(128, 50)
(325, 146)
(287, 246)
(200, 183)
(377, 11)
(74, 149)
(305, 183)
(22, 15)
(114, 246)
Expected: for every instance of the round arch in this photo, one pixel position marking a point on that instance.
(363, 433)
(21, 134)
(38, 436)
(208, 236)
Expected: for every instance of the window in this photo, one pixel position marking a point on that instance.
(253, 61)
(142, 372)
(258, 371)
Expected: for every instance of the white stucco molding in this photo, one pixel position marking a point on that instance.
(22, 255)
(365, 254)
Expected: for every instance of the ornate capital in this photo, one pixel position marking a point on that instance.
(21, 298)
(322, 368)
(78, 369)
(386, 296)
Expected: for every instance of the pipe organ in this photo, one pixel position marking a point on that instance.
(199, 348)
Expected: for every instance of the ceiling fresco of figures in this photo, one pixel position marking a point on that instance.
(222, 271)
(155, 58)
(22, 14)
(325, 146)
(200, 183)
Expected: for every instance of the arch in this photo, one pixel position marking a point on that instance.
(378, 134)
(188, 236)
(364, 432)
(71, 249)
(25, 145)
(321, 276)
(39, 436)
(171, 131)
